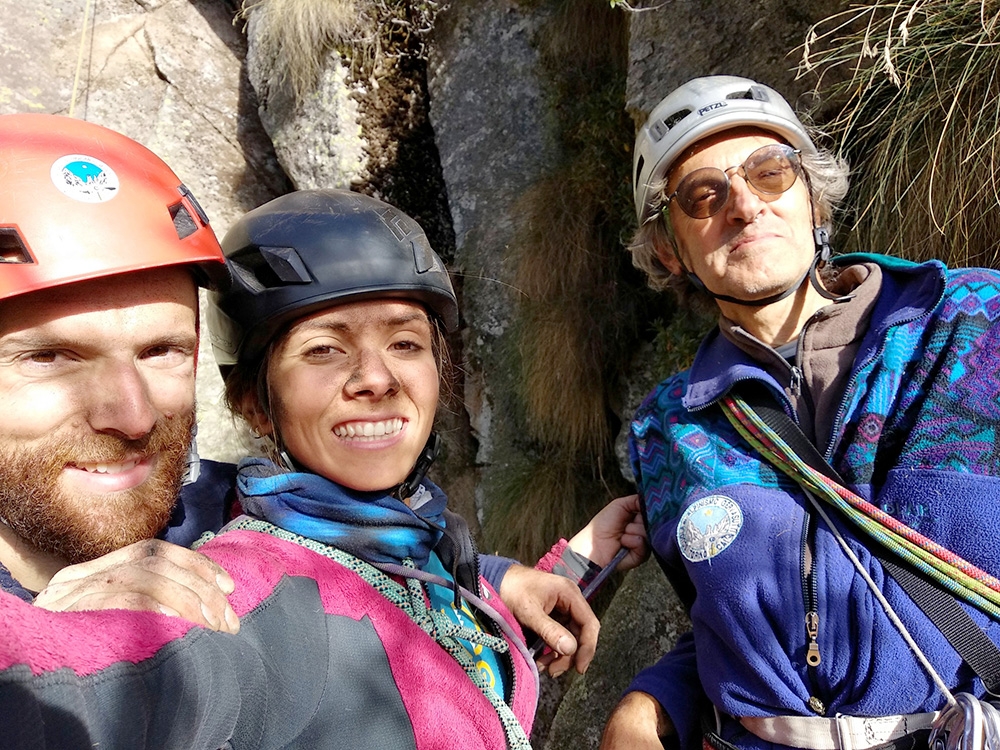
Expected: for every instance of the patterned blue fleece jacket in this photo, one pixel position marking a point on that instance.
(916, 433)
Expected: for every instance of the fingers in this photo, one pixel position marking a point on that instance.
(629, 504)
(531, 595)
(572, 644)
(159, 578)
(600, 539)
(587, 628)
(196, 563)
(559, 641)
(635, 540)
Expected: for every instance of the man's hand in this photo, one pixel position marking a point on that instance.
(532, 595)
(151, 575)
(618, 524)
(637, 723)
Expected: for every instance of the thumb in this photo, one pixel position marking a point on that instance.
(556, 637)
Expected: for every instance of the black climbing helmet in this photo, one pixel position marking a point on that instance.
(313, 248)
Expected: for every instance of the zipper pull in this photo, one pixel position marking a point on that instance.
(812, 630)
(796, 385)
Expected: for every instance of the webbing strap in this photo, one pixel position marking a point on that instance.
(965, 636)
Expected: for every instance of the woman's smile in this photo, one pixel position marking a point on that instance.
(367, 431)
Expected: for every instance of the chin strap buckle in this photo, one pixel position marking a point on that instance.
(821, 236)
(430, 452)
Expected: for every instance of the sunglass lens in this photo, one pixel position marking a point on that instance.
(772, 169)
(703, 192)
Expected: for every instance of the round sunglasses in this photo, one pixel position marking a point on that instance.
(770, 170)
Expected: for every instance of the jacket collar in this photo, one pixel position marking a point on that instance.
(909, 290)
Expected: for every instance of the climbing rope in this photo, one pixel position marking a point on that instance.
(966, 722)
(79, 55)
(412, 600)
(952, 572)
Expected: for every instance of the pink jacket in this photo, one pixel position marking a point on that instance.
(322, 661)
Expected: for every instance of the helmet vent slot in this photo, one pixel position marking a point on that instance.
(638, 168)
(184, 222)
(12, 247)
(269, 267)
(754, 93)
(661, 128)
(247, 276)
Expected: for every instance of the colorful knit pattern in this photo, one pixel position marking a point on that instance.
(675, 453)
(413, 600)
(957, 575)
(930, 397)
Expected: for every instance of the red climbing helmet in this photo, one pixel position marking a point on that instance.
(79, 201)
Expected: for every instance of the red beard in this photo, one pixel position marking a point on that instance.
(78, 529)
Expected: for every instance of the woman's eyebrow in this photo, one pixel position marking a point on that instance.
(345, 327)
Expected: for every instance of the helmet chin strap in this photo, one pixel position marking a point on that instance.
(821, 239)
(409, 485)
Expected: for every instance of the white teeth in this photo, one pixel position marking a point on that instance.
(368, 430)
(100, 468)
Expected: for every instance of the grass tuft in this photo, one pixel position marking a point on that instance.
(919, 83)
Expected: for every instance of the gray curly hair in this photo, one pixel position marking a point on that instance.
(826, 178)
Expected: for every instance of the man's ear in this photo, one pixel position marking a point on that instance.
(668, 257)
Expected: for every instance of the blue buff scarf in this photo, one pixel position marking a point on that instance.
(370, 525)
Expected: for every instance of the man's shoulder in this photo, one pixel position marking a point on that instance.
(11, 585)
(667, 393)
(213, 477)
(204, 504)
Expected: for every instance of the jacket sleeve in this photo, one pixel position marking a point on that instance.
(493, 568)
(673, 681)
(115, 679)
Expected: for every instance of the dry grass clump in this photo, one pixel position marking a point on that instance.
(920, 86)
(567, 281)
(298, 34)
(580, 301)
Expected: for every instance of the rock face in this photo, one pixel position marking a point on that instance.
(317, 137)
(678, 40)
(493, 133)
(630, 639)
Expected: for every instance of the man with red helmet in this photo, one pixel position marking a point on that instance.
(101, 247)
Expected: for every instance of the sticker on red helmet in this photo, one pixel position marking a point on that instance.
(84, 178)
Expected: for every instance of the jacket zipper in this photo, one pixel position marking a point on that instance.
(495, 629)
(810, 596)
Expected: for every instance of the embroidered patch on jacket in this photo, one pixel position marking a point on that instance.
(84, 178)
(708, 526)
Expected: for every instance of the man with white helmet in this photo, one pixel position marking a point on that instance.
(797, 572)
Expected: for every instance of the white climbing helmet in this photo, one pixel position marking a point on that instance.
(700, 108)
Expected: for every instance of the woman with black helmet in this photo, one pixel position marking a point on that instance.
(331, 341)
(364, 620)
